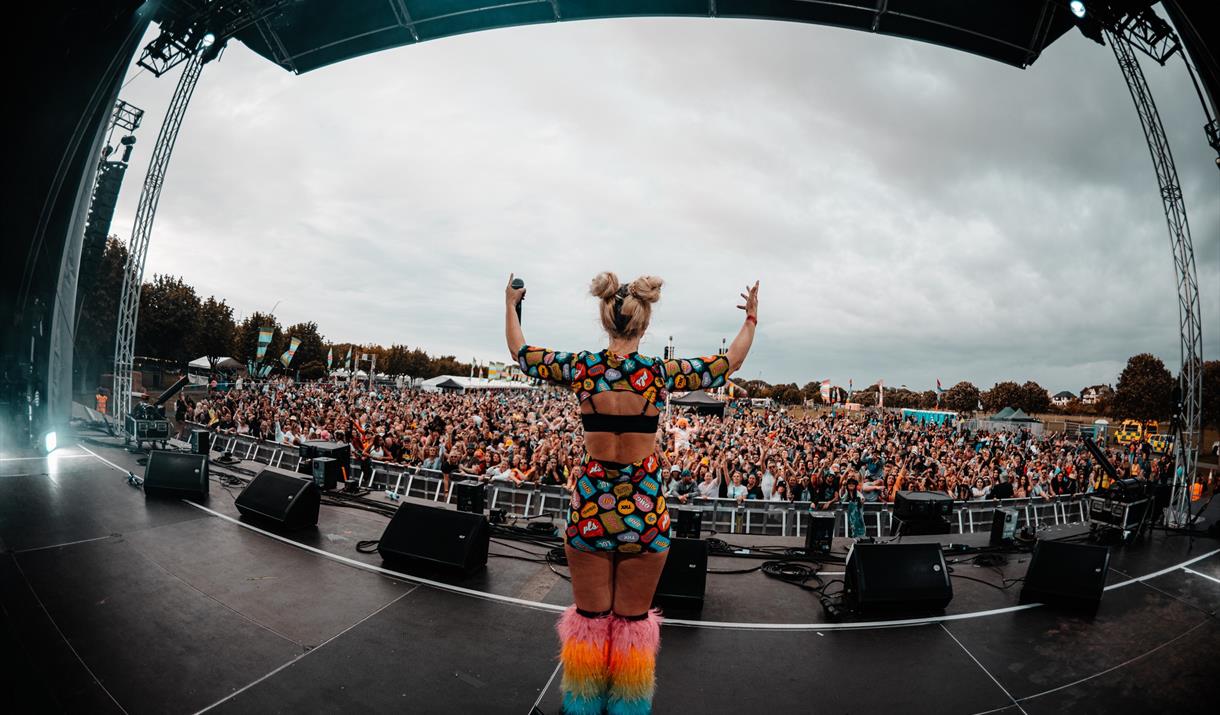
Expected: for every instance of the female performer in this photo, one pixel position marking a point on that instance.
(618, 524)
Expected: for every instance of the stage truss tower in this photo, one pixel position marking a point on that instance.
(137, 249)
(1190, 375)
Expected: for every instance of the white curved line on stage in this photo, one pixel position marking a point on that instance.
(540, 606)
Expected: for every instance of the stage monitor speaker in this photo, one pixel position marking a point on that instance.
(688, 524)
(922, 526)
(684, 578)
(912, 506)
(325, 472)
(819, 532)
(1003, 526)
(435, 536)
(471, 496)
(893, 578)
(341, 451)
(179, 475)
(1066, 574)
(201, 442)
(282, 499)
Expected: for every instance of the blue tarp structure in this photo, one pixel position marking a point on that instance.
(936, 417)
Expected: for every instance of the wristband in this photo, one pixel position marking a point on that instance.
(751, 319)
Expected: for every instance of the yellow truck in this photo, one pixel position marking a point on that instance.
(1134, 431)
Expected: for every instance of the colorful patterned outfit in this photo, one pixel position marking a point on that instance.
(619, 507)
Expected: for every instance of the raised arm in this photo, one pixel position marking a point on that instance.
(740, 347)
(512, 326)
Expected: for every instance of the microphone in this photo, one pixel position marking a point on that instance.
(518, 284)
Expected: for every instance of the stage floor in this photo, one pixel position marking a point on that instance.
(118, 604)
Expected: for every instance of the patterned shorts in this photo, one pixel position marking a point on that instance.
(619, 507)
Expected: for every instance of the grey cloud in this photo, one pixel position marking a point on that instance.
(913, 212)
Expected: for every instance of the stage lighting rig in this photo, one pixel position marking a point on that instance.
(1078, 9)
(190, 26)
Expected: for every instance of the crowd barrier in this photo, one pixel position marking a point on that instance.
(725, 516)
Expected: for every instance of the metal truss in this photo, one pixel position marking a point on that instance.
(137, 249)
(188, 21)
(1190, 376)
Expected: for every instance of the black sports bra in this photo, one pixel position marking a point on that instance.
(600, 422)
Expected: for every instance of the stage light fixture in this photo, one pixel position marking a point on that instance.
(1077, 8)
(50, 442)
(210, 39)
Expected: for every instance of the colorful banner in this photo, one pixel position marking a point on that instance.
(850, 389)
(286, 358)
(493, 370)
(881, 393)
(264, 371)
(939, 391)
(826, 391)
(264, 341)
(330, 357)
(348, 359)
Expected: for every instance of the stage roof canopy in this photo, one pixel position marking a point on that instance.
(308, 34)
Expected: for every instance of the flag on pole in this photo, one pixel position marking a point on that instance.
(348, 359)
(939, 391)
(264, 371)
(493, 370)
(330, 357)
(881, 393)
(286, 358)
(826, 391)
(264, 341)
(849, 389)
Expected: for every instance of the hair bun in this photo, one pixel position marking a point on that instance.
(604, 285)
(646, 288)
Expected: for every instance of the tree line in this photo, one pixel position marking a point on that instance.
(1145, 390)
(176, 324)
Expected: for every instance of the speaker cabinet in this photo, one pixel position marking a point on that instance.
(689, 523)
(1003, 526)
(425, 535)
(684, 578)
(177, 475)
(281, 499)
(340, 451)
(819, 532)
(1065, 574)
(471, 496)
(201, 442)
(325, 472)
(897, 578)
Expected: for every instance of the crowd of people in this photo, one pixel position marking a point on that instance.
(534, 437)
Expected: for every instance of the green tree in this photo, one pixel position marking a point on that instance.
(217, 332)
(1145, 389)
(962, 397)
(900, 397)
(756, 388)
(168, 320)
(1034, 399)
(1210, 409)
(927, 399)
(812, 391)
(1003, 394)
(788, 394)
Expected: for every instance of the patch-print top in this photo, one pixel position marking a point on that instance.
(588, 373)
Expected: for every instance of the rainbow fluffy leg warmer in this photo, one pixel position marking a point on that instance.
(585, 638)
(634, 641)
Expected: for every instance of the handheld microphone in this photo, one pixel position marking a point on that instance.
(518, 284)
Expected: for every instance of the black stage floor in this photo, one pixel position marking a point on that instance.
(112, 603)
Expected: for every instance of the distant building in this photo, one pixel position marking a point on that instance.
(1092, 395)
(1060, 399)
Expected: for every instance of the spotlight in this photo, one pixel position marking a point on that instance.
(1076, 6)
(49, 442)
(210, 39)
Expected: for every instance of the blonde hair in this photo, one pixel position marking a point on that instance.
(625, 310)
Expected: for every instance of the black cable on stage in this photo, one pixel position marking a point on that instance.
(368, 546)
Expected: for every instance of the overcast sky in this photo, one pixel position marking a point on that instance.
(912, 212)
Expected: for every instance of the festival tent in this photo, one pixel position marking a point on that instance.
(1019, 415)
(702, 403)
(222, 363)
(1003, 415)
